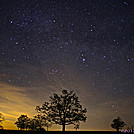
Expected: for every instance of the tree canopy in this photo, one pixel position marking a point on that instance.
(118, 124)
(23, 122)
(38, 123)
(64, 109)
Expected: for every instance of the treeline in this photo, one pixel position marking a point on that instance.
(64, 109)
(37, 123)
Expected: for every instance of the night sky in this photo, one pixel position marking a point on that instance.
(82, 45)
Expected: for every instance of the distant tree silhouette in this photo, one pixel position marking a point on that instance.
(1, 120)
(118, 124)
(23, 122)
(33, 124)
(46, 121)
(37, 123)
(63, 109)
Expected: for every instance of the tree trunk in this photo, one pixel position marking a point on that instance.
(64, 122)
(47, 128)
(63, 129)
(117, 129)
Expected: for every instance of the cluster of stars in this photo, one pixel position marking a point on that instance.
(94, 38)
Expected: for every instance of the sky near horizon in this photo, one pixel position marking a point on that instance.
(82, 45)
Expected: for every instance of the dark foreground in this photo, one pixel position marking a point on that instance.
(56, 132)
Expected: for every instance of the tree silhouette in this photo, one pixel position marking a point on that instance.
(63, 109)
(1, 120)
(23, 122)
(33, 124)
(76, 125)
(48, 122)
(118, 124)
(38, 123)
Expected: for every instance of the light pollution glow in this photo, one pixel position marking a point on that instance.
(86, 46)
(14, 102)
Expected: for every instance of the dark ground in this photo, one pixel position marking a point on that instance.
(55, 132)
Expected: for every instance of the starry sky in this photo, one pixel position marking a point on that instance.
(82, 45)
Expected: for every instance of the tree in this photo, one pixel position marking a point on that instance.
(33, 124)
(48, 122)
(1, 120)
(118, 124)
(40, 122)
(23, 122)
(63, 109)
(77, 125)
